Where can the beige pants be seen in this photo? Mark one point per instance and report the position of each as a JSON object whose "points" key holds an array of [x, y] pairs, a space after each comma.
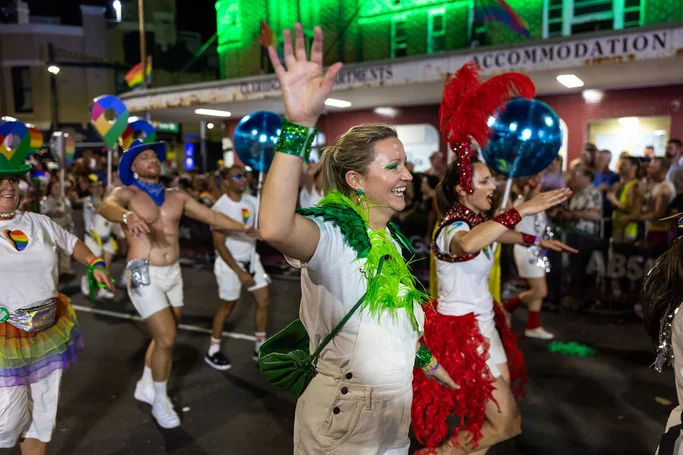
{"points": [[333, 416]]}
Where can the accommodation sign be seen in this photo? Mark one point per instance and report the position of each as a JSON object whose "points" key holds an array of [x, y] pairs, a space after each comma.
{"points": [[595, 51]]}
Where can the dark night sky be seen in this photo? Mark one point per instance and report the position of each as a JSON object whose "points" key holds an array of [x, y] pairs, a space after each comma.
{"points": [[192, 15]]}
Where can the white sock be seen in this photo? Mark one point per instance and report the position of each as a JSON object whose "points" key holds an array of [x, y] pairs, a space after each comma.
{"points": [[260, 339], [215, 346], [146, 376], [159, 390]]}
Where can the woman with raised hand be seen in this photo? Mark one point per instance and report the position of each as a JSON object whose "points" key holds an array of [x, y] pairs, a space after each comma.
{"points": [[359, 401]]}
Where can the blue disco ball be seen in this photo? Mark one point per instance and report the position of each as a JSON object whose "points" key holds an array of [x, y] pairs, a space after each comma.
{"points": [[255, 138], [526, 138]]}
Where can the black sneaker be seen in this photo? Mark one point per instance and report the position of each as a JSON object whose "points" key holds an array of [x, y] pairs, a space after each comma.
{"points": [[218, 361]]}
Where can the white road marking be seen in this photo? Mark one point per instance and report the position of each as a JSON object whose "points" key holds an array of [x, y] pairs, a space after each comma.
{"points": [[189, 328]]}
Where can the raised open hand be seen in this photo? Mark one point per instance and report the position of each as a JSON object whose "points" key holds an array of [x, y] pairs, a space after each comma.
{"points": [[304, 87], [543, 201]]}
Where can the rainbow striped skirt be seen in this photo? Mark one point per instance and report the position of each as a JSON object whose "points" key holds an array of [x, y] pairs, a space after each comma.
{"points": [[27, 357]]}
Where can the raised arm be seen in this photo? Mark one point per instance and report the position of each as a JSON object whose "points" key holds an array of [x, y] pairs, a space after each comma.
{"points": [[114, 208], [305, 89], [484, 234]]}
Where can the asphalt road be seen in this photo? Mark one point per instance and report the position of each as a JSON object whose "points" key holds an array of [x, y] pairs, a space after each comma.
{"points": [[575, 405]]}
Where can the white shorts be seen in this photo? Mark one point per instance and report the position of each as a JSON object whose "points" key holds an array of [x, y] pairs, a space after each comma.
{"points": [[165, 288], [496, 348], [229, 285], [525, 259], [29, 411], [97, 250]]}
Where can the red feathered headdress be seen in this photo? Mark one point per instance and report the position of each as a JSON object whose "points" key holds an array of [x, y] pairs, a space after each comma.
{"points": [[466, 107]]}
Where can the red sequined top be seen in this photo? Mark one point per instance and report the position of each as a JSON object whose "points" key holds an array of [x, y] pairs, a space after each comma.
{"points": [[456, 213]]}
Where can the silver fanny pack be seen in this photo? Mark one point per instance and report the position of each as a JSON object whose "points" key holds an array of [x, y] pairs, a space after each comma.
{"points": [[39, 317], [139, 273]]}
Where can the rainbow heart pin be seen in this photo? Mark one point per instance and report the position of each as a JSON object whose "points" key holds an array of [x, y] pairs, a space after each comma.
{"points": [[246, 215], [17, 238]]}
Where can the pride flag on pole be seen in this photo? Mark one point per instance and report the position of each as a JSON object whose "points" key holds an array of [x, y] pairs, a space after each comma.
{"points": [[134, 77], [499, 11], [267, 36]]}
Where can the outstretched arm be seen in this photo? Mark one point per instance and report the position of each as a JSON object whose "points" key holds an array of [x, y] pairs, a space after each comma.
{"points": [[305, 89], [198, 211], [484, 234]]}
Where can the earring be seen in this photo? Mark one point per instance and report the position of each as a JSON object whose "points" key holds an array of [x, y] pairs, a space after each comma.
{"points": [[359, 192], [135, 175]]}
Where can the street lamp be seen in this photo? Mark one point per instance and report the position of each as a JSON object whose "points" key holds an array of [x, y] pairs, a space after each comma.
{"points": [[54, 69]]}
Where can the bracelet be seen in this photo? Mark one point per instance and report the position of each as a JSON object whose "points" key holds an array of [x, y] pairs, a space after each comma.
{"points": [[435, 367], [530, 240], [509, 219], [125, 217], [295, 139], [423, 357], [96, 264]]}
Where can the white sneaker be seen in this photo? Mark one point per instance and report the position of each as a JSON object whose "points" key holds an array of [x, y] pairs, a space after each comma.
{"points": [[165, 415], [539, 332], [144, 393], [85, 286], [105, 294]]}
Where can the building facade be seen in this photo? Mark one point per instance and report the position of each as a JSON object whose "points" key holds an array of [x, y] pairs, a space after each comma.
{"points": [[367, 30]]}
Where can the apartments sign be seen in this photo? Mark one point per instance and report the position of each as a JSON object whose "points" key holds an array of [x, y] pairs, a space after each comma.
{"points": [[615, 49], [547, 55]]}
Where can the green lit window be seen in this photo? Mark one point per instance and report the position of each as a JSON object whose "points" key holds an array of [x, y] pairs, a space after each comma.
{"points": [[399, 39], [571, 17], [436, 31]]}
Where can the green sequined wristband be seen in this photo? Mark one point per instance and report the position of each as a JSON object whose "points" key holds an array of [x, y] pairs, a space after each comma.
{"points": [[423, 357], [295, 139]]}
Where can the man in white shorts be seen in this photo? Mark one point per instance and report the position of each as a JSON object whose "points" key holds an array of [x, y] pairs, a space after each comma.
{"points": [[233, 267], [150, 214]]}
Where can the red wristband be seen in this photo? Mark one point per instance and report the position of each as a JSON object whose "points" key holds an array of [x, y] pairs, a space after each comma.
{"points": [[528, 239], [509, 219]]}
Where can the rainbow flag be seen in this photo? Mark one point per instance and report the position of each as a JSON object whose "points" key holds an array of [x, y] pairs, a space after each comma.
{"points": [[267, 36], [134, 77], [499, 11]]}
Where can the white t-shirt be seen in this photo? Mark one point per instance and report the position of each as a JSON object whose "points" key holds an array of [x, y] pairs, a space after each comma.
{"points": [[464, 286], [309, 198], [377, 351], [94, 221], [240, 245], [29, 270]]}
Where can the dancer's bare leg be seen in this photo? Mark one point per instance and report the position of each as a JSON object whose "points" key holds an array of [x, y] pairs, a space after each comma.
{"points": [[32, 446], [162, 325], [503, 420], [261, 315]]}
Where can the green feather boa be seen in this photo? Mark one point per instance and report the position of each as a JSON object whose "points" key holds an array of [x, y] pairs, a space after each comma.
{"points": [[395, 287]]}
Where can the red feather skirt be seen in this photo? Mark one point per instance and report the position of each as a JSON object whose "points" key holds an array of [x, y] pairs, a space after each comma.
{"points": [[463, 351]]}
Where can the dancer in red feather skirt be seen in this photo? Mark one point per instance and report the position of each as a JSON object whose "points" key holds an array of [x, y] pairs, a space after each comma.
{"points": [[465, 330]]}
